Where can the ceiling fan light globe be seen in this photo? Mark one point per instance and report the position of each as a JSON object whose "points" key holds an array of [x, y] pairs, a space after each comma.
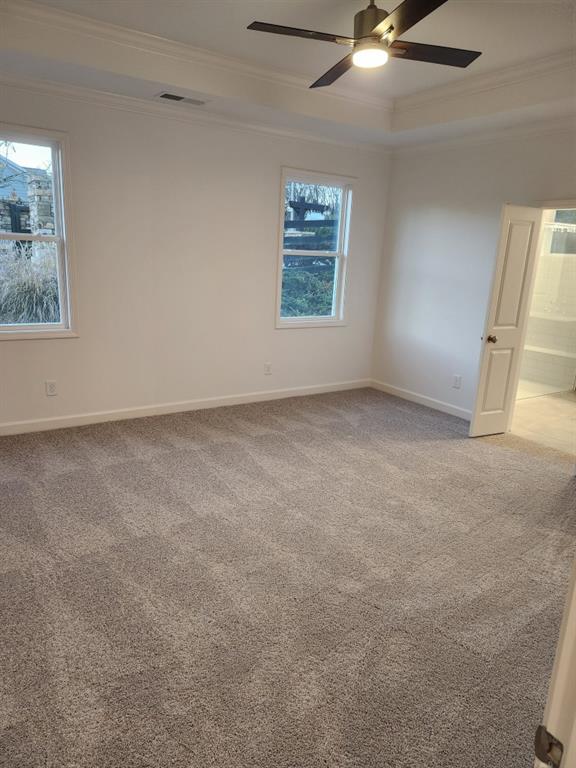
{"points": [[370, 56]]}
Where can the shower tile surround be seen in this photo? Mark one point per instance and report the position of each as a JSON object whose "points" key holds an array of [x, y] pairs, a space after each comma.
{"points": [[550, 348]]}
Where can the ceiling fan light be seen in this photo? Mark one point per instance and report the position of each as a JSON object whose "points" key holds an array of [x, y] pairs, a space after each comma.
{"points": [[370, 56]]}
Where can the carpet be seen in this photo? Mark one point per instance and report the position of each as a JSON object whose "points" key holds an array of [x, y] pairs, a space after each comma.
{"points": [[342, 580]]}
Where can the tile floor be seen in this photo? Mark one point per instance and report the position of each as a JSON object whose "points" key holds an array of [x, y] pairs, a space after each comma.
{"points": [[527, 388], [548, 420]]}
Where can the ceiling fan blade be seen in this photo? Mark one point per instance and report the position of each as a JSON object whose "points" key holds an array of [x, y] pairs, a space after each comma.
{"points": [[333, 74], [278, 29], [434, 54], [405, 16]]}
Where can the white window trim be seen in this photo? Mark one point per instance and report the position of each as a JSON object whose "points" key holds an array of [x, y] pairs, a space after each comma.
{"points": [[59, 143], [341, 255]]}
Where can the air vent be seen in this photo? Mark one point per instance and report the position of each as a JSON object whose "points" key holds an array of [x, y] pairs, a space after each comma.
{"points": [[182, 99]]}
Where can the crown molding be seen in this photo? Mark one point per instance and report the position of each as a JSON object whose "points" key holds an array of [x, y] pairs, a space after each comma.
{"points": [[172, 112], [71, 22], [557, 125], [563, 125], [489, 81]]}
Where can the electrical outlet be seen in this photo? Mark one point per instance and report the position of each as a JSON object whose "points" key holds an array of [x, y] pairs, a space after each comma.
{"points": [[457, 381], [50, 388], [267, 369]]}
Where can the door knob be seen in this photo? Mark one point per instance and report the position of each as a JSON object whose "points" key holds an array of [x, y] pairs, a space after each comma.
{"points": [[491, 339]]}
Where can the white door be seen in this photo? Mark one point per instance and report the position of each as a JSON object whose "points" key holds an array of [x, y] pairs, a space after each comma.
{"points": [[505, 327], [560, 713]]}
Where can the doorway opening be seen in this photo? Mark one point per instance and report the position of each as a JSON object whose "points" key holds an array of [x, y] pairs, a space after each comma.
{"points": [[527, 365], [545, 406]]}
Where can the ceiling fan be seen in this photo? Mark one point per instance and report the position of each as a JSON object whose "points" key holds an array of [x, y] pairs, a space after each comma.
{"points": [[376, 34]]}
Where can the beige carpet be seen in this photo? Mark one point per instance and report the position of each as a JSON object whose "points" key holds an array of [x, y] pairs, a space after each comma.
{"points": [[343, 580]]}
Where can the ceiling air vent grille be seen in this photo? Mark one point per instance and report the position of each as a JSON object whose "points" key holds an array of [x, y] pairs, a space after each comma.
{"points": [[182, 99]]}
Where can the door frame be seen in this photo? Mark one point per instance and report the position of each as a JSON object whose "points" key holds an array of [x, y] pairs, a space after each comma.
{"points": [[560, 712], [526, 299], [544, 206]]}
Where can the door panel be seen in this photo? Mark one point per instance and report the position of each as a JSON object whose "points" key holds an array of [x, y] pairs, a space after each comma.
{"points": [[517, 250], [497, 381], [505, 327]]}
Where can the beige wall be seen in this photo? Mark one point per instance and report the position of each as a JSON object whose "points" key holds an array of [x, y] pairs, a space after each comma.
{"points": [[176, 227], [443, 227], [177, 307]]}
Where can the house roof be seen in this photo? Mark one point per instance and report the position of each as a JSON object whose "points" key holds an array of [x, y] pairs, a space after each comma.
{"points": [[14, 179]]}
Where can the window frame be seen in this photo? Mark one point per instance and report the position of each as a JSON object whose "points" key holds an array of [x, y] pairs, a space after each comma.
{"points": [[58, 143], [340, 254]]}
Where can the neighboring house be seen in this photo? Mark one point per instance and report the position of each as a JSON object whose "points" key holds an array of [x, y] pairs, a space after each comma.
{"points": [[25, 199]]}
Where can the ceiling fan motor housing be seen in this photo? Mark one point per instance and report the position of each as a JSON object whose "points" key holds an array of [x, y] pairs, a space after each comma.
{"points": [[366, 20]]}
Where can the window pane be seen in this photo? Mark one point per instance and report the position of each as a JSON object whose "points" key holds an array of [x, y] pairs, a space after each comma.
{"points": [[565, 241], [28, 283], [26, 188], [308, 286], [311, 216]]}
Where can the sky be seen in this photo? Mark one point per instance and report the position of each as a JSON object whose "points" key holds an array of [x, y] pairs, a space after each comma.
{"points": [[29, 155]]}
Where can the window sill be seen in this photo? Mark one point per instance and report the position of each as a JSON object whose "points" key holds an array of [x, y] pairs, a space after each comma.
{"points": [[35, 335], [304, 323]]}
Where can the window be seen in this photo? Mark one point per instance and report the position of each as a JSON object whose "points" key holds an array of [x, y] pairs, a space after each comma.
{"points": [[313, 249], [34, 280], [564, 232]]}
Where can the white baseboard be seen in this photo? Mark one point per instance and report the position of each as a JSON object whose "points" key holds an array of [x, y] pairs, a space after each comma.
{"points": [[415, 397], [78, 420], [82, 419]]}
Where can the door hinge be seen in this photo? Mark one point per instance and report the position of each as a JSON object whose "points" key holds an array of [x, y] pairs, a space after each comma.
{"points": [[547, 748]]}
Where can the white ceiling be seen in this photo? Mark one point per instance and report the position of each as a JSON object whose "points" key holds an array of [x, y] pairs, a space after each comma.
{"points": [[201, 48], [506, 31]]}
